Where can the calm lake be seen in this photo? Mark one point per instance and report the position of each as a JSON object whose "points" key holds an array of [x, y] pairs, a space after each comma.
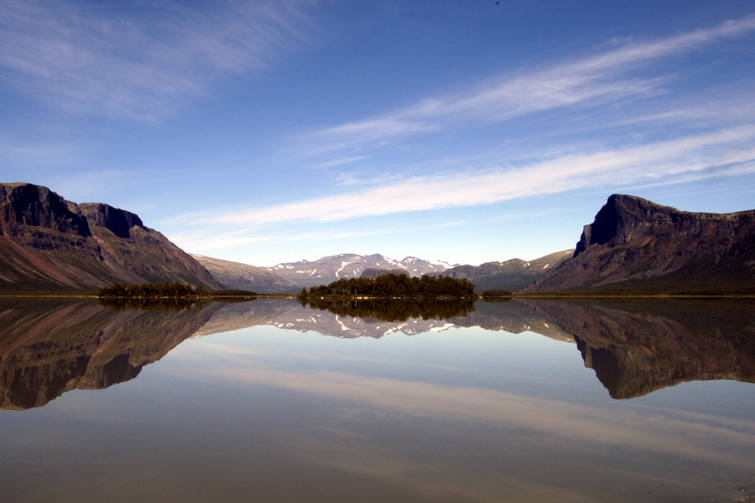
{"points": [[272, 401]]}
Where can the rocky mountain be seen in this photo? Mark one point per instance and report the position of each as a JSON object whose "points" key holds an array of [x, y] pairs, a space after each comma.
{"points": [[328, 269], [636, 348], [636, 246], [510, 275], [246, 277], [48, 244]]}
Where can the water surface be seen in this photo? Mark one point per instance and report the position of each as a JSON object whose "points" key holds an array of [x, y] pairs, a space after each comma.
{"points": [[272, 401]]}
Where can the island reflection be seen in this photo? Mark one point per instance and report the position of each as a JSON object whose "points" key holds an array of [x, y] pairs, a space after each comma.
{"points": [[48, 348]]}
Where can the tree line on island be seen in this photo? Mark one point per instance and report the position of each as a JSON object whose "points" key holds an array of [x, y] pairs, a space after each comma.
{"points": [[393, 286], [393, 310], [429, 291]]}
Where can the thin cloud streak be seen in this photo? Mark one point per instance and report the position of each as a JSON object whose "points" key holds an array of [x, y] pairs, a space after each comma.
{"points": [[591, 81], [137, 66], [198, 242], [654, 163]]}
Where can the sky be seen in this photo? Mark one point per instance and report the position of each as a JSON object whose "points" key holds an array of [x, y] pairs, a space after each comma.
{"points": [[465, 131]]}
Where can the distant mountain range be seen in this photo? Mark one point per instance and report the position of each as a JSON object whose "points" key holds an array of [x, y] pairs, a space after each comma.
{"points": [[246, 277], [510, 275], [48, 244], [636, 246], [349, 265]]}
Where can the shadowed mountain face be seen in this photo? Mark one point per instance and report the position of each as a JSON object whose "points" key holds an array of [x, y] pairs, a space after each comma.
{"points": [[636, 246], [48, 348], [48, 244], [637, 348]]}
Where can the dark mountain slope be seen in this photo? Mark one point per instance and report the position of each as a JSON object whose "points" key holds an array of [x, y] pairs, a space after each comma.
{"points": [[636, 246], [48, 244]]}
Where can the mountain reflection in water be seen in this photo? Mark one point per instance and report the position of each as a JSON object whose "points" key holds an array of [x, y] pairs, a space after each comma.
{"points": [[637, 347], [50, 347]]}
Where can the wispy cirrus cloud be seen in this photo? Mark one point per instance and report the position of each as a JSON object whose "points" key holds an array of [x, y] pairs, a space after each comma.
{"points": [[692, 156], [139, 60], [686, 159], [591, 81]]}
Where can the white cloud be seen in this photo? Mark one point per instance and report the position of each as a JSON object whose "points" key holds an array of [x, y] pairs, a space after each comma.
{"points": [[590, 82], [724, 152], [137, 61]]}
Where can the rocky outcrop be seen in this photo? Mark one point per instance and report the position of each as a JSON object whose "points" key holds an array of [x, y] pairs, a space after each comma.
{"points": [[117, 221], [509, 275], [48, 244], [23, 205], [637, 347], [636, 246]]}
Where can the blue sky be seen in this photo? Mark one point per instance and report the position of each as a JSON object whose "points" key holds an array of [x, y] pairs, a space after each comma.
{"points": [[464, 131]]}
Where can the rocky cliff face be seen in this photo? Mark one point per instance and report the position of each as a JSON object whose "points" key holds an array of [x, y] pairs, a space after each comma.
{"points": [[117, 221], [48, 244], [636, 348], [636, 246], [23, 205]]}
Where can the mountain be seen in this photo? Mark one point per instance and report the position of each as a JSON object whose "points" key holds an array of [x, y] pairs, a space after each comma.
{"points": [[636, 348], [328, 269], [637, 246], [510, 275], [48, 244], [246, 277], [373, 272]]}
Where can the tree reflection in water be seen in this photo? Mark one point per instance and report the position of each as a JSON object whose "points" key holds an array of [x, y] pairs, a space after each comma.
{"points": [[391, 311]]}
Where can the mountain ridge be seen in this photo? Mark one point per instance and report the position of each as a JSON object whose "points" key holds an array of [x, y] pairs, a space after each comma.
{"points": [[49, 244], [511, 274], [322, 271], [637, 246], [242, 276]]}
